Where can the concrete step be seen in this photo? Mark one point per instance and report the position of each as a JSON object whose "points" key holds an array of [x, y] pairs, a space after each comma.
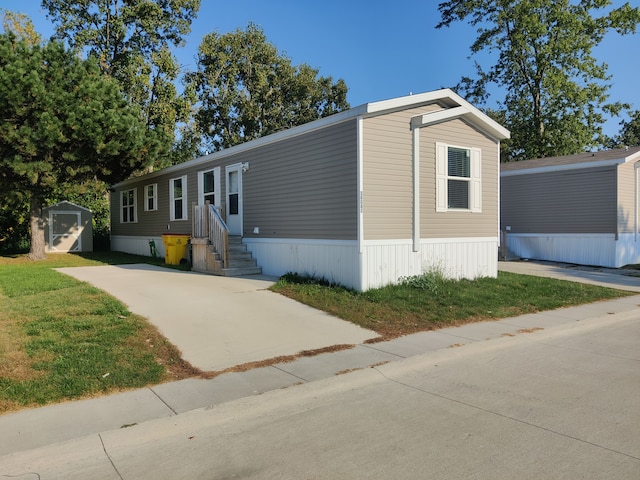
{"points": [[240, 272]]}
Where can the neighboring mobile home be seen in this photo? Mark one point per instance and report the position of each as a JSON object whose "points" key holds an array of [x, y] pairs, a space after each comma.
{"points": [[580, 209], [361, 198]]}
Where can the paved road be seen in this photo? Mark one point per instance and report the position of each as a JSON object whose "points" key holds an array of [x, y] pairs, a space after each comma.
{"points": [[547, 404]]}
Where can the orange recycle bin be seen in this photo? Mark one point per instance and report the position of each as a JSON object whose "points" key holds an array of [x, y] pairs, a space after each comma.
{"points": [[175, 248]]}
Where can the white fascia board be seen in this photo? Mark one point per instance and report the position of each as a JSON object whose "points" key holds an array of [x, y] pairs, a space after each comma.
{"points": [[403, 102], [464, 108], [632, 157], [438, 116], [477, 119], [560, 168]]}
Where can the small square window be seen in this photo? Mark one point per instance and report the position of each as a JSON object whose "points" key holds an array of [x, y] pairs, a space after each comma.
{"points": [[458, 178]]}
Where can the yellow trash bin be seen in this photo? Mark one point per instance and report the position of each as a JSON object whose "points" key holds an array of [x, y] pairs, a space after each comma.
{"points": [[175, 248]]}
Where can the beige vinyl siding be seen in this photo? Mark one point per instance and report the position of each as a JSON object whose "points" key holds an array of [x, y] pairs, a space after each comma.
{"points": [[571, 201], [304, 187], [300, 187], [388, 174], [626, 198], [458, 224]]}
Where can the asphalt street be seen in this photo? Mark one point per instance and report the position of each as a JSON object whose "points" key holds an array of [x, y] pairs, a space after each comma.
{"points": [[552, 403]]}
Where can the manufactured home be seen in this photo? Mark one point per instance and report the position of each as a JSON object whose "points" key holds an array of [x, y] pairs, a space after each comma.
{"points": [[361, 198], [580, 209]]}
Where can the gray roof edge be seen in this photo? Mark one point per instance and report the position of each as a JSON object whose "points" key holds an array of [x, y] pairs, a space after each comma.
{"points": [[577, 164], [560, 168]]}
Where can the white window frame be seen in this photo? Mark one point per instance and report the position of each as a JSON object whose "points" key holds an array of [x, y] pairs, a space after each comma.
{"points": [[172, 200], [442, 177], [154, 198], [132, 208], [216, 186]]}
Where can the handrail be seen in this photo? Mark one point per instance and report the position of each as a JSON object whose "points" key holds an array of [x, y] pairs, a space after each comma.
{"points": [[208, 223], [219, 234]]}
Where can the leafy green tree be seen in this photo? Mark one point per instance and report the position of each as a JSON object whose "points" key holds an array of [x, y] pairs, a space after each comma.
{"points": [[14, 219], [629, 135], [247, 89], [556, 92], [62, 122], [132, 41]]}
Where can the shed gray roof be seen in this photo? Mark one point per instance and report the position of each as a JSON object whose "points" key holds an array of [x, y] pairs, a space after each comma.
{"points": [[570, 162], [68, 204]]}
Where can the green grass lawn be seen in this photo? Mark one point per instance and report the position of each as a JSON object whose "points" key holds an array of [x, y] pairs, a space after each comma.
{"points": [[63, 339], [429, 302]]}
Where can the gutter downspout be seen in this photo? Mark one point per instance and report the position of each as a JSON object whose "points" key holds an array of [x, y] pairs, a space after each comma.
{"points": [[499, 232], [635, 192], [416, 186], [359, 202]]}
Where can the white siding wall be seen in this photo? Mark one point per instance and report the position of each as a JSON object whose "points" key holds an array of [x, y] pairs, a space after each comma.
{"points": [[334, 260], [136, 245], [581, 249], [384, 262], [627, 249]]}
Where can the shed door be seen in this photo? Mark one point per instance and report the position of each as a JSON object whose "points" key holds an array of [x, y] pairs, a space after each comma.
{"points": [[64, 232], [234, 199]]}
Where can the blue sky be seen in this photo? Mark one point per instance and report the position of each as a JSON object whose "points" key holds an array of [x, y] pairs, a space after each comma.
{"points": [[381, 49]]}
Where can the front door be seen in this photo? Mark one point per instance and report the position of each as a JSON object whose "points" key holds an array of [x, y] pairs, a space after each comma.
{"points": [[64, 231], [234, 199]]}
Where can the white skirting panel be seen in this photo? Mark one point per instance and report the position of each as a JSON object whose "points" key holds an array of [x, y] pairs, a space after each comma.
{"points": [[334, 260], [136, 245], [385, 262], [381, 262], [627, 249], [581, 249]]}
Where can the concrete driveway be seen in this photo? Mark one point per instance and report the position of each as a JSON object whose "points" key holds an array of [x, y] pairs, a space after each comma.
{"points": [[220, 322]]}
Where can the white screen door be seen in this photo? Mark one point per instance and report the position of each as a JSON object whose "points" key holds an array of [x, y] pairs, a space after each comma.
{"points": [[234, 199]]}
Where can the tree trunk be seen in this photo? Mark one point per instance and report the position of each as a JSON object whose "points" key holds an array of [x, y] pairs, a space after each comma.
{"points": [[36, 229]]}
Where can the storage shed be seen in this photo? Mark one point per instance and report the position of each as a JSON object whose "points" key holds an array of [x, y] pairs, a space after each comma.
{"points": [[580, 209], [67, 228]]}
